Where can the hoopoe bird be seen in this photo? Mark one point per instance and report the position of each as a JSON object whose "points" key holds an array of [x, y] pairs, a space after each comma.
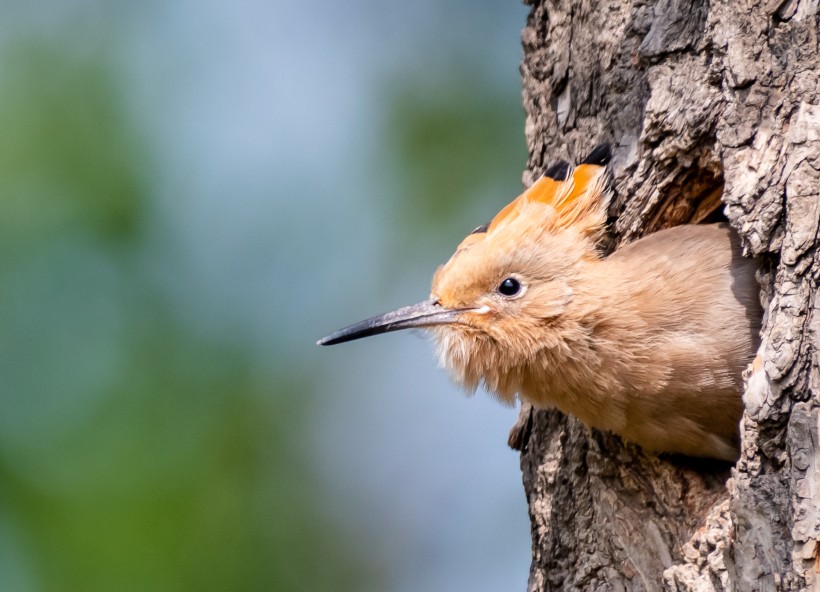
{"points": [[649, 342]]}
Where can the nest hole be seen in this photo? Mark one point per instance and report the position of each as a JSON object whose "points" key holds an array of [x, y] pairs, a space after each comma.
{"points": [[693, 196]]}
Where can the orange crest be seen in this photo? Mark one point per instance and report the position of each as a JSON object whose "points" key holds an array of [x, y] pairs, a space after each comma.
{"points": [[578, 196]]}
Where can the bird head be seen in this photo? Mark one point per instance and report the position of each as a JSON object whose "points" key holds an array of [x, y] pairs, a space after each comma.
{"points": [[491, 305]]}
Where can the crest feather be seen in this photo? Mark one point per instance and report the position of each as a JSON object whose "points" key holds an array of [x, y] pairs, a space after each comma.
{"points": [[579, 201], [578, 195]]}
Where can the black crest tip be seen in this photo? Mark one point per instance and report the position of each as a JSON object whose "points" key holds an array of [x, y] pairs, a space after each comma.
{"points": [[558, 171], [480, 229], [600, 155]]}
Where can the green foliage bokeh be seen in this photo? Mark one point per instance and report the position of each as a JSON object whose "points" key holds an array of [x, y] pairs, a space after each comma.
{"points": [[134, 453]]}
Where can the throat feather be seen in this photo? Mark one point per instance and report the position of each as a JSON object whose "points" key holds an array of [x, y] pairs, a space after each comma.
{"points": [[473, 359]]}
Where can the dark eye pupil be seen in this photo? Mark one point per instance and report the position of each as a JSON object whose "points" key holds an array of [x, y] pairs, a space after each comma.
{"points": [[509, 287]]}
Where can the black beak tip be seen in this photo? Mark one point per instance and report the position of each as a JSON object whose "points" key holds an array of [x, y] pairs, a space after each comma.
{"points": [[338, 337]]}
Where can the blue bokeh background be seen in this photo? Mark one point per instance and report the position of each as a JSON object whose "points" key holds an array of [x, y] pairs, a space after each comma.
{"points": [[191, 193]]}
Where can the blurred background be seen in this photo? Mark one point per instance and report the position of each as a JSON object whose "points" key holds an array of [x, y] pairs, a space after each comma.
{"points": [[192, 193]]}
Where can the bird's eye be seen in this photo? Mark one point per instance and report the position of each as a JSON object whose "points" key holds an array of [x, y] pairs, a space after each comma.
{"points": [[509, 287]]}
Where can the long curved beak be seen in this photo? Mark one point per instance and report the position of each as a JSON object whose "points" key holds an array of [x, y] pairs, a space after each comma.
{"points": [[423, 314]]}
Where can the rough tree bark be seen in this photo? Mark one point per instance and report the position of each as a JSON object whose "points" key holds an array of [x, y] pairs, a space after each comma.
{"points": [[702, 101]]}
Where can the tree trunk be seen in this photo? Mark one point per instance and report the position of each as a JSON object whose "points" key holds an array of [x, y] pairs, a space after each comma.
{"points": [[701, 101]]}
